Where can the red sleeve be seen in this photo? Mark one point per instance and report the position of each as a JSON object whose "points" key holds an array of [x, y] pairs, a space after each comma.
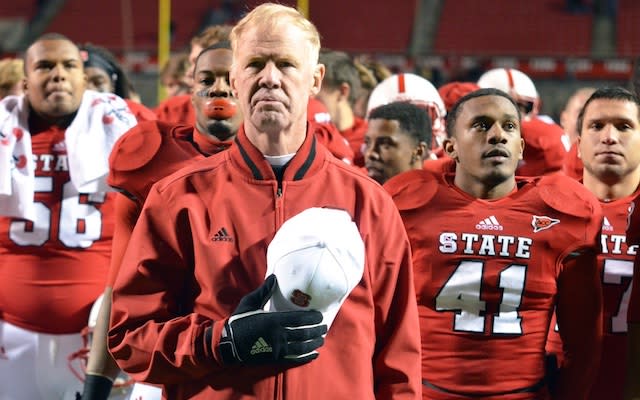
{"points": [[396, 362], [149, 288], [125, 217], [579, 315]]}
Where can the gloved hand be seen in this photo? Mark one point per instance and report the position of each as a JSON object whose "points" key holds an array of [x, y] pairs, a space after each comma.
{"points": [[254, 336]]}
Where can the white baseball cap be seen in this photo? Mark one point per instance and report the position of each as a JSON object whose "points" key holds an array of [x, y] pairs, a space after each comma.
{"points": [[318, 258]]}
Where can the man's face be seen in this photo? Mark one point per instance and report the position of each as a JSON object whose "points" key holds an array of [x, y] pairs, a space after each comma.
{"points": [[273, 77], [486, 141], [216, 108], [55, 79], [98, 80], [389, 150], [330, 97], [610, 139]]}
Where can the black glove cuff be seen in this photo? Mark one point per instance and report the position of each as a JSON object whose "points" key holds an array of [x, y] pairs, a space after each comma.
{"points": [[96, 387], [226, 349]]}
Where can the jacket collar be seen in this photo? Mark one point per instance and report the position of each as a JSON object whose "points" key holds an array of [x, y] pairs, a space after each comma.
{"points": [[307, 160]]}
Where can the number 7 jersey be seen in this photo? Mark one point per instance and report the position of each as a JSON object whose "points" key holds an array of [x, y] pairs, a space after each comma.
{"points": [[486, 275]]}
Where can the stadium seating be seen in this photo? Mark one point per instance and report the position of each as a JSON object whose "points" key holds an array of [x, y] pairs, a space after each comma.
{"points": [[513, 27], [628, 28]]}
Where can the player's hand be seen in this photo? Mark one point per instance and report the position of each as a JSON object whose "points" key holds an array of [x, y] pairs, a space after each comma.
{"points": [[254, 336]]}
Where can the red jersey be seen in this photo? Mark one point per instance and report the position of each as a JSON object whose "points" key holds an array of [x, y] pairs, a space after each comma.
{"points": [[177, 110], [572, 165], [615, 262], [157, 333], [355, 137], [544, 151], [144, 155], [330, 137], [53, 269], [488, 275], [633, 239]]}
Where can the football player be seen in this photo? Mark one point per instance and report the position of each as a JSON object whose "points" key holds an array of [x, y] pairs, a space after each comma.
{"points": [[609, 136], [56, 225], [148, 153], [493, 255]]}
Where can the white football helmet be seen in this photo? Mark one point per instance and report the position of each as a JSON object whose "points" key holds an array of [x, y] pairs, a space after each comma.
{"points": [[415, 90], [516, 83]]}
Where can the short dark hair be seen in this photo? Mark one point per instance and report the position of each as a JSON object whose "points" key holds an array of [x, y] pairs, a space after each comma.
{"points": [[340, 68], [412, 119], [223, 44], [46, 36], [607, 93], [99, 57], [452, 116]]}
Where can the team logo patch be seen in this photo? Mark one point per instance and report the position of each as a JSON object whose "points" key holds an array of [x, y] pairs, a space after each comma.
{"points": [[300, 298], [541, 223]]}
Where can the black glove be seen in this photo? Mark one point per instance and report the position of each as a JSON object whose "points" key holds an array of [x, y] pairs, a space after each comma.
{"points": [[254, 336], [96, 387]]}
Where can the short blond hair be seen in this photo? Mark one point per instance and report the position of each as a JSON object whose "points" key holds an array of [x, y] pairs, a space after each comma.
{"points": [[11, 72], [270, 16]]}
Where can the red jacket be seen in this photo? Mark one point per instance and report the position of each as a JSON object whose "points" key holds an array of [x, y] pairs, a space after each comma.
{"points": [[175, 281]]}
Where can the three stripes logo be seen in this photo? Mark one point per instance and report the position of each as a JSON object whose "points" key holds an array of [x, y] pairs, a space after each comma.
{"points": [[260, 346], [222, 236], [489, 224]]}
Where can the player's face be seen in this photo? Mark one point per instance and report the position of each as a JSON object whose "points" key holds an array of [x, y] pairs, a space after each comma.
{"points": [[610, 139], [389, 150], [55, 79], [274, 75], [216, 109], [98, 80], [486, 142]]}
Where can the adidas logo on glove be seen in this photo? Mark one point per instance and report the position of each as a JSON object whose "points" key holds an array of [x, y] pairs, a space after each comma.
{"points": [[260, 346]]}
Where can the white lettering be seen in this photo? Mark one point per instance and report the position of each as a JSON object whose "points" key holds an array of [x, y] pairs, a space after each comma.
{"points": [[448, 243], [61, 163]]}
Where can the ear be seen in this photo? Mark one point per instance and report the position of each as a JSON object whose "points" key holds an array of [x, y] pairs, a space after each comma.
{"points": [[421, 151], [345, 90], [318, 75], [521, 155], [449, 147], [578, 140], [24, 84], [232, 80]]}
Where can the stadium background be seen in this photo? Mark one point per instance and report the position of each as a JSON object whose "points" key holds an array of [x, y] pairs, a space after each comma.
{"points": [[560, 44]]}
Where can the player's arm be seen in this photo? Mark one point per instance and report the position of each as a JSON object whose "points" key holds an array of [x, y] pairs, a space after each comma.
{"points": [[101, 367], [579, 316]]}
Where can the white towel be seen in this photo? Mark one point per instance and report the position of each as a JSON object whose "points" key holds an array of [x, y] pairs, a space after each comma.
{"points": [[101, 119]]}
